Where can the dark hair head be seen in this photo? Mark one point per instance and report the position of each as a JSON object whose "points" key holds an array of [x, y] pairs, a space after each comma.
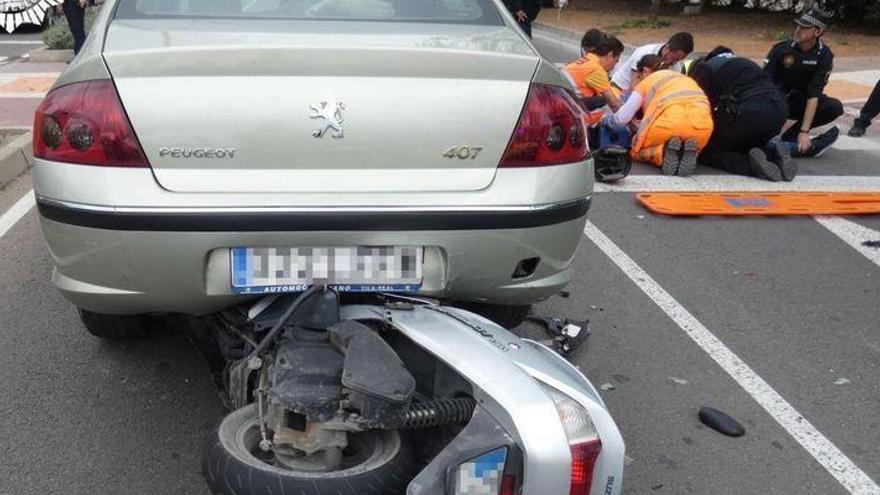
{"points": [[681, 42], [609, 45], [592, 38], [651, 61], [718, 50]]}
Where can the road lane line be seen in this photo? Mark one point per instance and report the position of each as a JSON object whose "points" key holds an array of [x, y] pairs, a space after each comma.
{"points": [[826, 453], [18, 210], [734, 183], [853, 234]]}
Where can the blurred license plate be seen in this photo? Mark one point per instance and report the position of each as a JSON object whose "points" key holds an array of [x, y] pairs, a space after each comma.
{"points": [[347, 269]]}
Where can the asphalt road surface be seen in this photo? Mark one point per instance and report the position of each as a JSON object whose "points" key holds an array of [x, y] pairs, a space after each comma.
{"points": [[774, 321]]}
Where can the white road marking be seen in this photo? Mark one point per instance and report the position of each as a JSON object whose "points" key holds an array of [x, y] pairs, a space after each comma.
{"points": [[826, 453], [853, 234], [22, 42], [735, 183], [18, 210], [845, 142], [864, 77], [23, 94]]}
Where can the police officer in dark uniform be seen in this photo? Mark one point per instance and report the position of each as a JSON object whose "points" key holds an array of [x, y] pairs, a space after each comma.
{"points": [[525, 12], [801, 68], [748, 111]]}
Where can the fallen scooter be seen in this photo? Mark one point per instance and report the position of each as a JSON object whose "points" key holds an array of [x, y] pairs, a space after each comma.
{"points": [[398, 396]]}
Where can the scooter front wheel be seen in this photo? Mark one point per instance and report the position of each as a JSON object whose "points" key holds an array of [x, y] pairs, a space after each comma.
{"points": [[375, 462]]}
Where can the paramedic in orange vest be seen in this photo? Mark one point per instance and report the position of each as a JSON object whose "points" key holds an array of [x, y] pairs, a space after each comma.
{"points": [[590, 73], [676, 122]]}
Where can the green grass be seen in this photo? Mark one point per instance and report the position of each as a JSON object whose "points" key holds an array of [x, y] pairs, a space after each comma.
{"points": [[58, 37], [660, 22]]}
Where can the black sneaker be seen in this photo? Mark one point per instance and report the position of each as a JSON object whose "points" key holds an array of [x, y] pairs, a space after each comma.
{"points": [[763, 167], [779, 152], [858, 129], [822, 142]]}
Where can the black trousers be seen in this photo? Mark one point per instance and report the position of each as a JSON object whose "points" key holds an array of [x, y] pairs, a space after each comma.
{"points": [[527, 27], [761, 118], [871, 108], [827, 112], [76, 19]]}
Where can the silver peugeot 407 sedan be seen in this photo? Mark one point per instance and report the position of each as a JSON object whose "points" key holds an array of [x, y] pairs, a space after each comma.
{"points": [[199, 152]]}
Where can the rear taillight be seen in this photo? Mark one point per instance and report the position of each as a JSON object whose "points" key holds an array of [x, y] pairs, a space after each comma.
{"points": [[550, 130], [582, 439], [85, 123]]}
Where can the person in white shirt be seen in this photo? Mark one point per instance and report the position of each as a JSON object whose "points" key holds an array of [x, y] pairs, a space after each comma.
{"points": [[679, 46]]}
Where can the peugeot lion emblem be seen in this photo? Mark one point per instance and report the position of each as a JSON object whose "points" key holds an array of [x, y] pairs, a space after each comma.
{"points": [[330, 113]]}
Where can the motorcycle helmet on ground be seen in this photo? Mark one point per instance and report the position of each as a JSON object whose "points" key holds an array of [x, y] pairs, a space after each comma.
{"points": [[611, 163]]}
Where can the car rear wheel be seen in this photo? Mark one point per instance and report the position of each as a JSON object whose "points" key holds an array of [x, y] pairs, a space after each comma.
{"points": [[377, 462], [115, 327], [506, 316]]}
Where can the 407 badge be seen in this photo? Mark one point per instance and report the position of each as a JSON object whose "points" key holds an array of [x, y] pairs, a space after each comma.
{"points": [[14, 13]]}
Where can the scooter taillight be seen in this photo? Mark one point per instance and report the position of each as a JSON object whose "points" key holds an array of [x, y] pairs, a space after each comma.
{"points": [[583, 460], [85, 123], [583, 440]]}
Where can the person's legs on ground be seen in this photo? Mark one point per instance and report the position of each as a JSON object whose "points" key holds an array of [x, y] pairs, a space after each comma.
{"points": [[868, 113], [828, 111]]}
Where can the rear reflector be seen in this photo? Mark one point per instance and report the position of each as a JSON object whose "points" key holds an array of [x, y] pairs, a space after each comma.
{"points": [[550, 130], [84, 123]]}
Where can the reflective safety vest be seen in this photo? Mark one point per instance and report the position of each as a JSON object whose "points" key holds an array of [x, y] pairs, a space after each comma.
{"points": [[581, 69], [673, 106]]}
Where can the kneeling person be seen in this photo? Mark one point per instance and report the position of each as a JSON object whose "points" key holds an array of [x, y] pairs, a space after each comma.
{"points": [[590, 73], [677, 119], [748, 112]]}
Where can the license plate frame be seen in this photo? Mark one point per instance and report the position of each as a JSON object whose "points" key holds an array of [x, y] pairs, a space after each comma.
{"points": [[272, 270]]}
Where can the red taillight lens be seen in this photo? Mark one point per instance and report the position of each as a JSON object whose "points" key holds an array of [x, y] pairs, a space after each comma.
{"points": [[508, 485], [583, 460], [85, 123], [550, 130]]}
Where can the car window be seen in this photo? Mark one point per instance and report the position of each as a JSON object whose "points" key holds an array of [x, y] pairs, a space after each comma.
{"points": [[452, 11]]}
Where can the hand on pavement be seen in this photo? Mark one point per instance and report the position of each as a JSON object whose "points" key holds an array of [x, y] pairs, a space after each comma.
{"points": [[804, 143], [521, 16]]}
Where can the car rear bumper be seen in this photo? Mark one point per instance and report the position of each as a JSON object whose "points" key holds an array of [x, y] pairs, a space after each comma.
{"points": [[304, 219], [123, 244], [144, 271]]}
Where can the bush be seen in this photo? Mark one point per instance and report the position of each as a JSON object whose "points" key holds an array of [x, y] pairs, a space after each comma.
{"points": [[58, 37]]}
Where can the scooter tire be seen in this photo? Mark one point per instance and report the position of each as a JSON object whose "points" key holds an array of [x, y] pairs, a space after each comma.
{"points": [[230, 468]]}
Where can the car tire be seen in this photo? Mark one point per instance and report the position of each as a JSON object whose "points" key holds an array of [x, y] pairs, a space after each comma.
{"points": [[506, 316], [230, 465], [115, 327]]}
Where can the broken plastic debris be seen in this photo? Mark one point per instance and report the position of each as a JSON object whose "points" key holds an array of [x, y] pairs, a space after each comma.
{"points": [[721, 422], [627, 460], [605, 387], [678, 381], [841, 381]]}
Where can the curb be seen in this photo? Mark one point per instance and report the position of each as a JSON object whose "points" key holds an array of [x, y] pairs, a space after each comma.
{"points": [[15, 158], [569, 34], [44, 54]]}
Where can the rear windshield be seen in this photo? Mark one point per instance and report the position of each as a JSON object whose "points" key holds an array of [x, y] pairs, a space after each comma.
{"points": [[449, 11]]}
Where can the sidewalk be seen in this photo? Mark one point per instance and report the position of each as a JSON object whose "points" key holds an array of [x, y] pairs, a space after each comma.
{"points": [[22, 86]]}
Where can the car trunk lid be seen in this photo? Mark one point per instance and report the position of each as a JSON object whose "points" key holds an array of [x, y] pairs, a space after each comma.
{"points": [[293, 106]]}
